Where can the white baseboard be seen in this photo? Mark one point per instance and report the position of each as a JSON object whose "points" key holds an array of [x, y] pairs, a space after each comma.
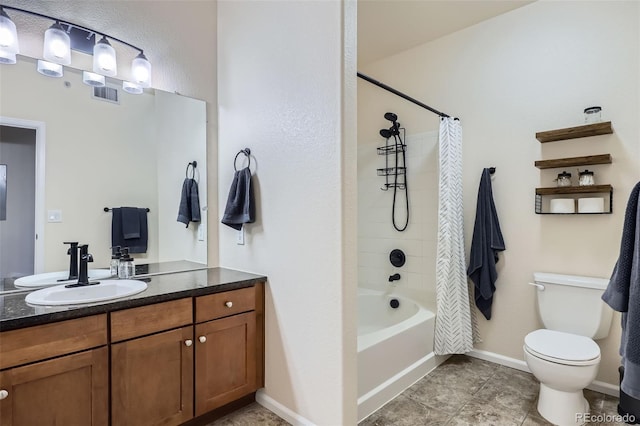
{"points": [[283, 412], [518, 364]]}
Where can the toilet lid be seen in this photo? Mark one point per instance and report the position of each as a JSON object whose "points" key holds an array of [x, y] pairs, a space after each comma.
{"points": [[563, 348]]}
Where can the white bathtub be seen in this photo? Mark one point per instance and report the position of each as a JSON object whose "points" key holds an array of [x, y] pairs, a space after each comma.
{"points": [[395, 348]]}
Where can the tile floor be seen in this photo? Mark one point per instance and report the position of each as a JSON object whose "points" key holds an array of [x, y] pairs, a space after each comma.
{"points": [[462, 391]]}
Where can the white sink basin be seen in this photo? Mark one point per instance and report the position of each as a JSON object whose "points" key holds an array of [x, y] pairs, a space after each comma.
{"points": [[51, 278], [105, 290]]}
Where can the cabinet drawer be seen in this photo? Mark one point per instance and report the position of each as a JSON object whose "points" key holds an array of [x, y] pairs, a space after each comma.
{"points": [[144, 320], [40, 342], [224, 304]]}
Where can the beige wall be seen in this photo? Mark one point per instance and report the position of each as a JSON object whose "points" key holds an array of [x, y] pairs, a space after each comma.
{"points": [[529, 70], [282, 93]]}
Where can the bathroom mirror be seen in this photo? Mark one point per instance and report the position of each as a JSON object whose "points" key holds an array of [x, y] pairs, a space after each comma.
{"points": [[95, 150]]}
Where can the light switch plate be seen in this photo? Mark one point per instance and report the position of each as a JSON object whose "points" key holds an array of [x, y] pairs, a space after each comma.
{"points": [[54, 216], [240, 237], [201, 232]]}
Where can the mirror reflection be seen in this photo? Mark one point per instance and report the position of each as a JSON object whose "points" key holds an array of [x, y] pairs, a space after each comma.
{"points": [[70, 151]]}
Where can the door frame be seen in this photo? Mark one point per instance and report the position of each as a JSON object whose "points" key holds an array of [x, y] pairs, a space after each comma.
{"points": [[40, 128]]}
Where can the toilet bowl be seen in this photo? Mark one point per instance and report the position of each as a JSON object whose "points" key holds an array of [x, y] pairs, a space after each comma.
{"points": [[563, 356], [564, 364]]}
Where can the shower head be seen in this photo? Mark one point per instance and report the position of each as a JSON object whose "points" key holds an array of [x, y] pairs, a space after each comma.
{"points": [[391, 117], [386, 133]]}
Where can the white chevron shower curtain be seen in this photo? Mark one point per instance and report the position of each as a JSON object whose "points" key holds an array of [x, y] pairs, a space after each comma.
{"points": [[454, 329]]}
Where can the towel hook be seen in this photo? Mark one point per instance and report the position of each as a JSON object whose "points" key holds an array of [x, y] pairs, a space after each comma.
{"points": [[247, 153], [192, 164]]}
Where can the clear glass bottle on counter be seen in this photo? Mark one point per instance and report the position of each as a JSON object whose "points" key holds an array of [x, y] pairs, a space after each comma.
{"points": [[115, 261], [126, 269]]}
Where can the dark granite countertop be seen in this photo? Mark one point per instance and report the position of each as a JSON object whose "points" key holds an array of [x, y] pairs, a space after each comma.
{"points": [[16, 313]]}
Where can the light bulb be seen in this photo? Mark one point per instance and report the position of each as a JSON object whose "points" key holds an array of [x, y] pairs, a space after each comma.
{"points": [[141, 70], [134, 89], [50, 69], [104, 58], [58, 48], [57, 45], [6, 37]]}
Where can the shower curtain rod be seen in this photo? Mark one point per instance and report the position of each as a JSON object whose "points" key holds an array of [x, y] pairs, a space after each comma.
{"points": [[402, 95]]}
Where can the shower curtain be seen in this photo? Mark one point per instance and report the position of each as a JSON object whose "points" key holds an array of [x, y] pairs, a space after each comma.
{"points": [[454, 324]]}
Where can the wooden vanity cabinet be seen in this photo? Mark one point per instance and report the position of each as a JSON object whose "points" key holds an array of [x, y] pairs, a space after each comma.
{"points": [[58, 373], [228, 347], [152, 372], [41, 383]]}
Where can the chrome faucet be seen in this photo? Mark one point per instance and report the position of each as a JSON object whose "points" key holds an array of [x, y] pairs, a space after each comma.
{"points": [[394, 277]]}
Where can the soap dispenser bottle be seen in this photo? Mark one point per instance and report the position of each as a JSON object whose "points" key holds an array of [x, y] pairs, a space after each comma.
{"points": [[126, 269], [115, 261]]}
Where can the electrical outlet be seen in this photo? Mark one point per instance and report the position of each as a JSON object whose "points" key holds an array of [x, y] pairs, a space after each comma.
{"points": [[240, 237]]}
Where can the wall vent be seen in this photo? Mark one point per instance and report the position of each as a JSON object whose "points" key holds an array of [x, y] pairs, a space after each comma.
{"points": [[106, 93]]}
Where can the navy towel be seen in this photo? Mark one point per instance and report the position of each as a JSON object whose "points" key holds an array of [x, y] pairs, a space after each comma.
{"points": [[623, 294], [126, 223], [487, 242], [189, 210], [240, 206]]}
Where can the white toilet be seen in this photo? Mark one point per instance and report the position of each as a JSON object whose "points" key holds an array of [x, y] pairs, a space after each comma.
{"points": [[563, 355]]}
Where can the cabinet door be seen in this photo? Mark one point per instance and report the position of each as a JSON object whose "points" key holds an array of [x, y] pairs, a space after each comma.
{"points": [[152, 379], [225, 361], [71, 390]]}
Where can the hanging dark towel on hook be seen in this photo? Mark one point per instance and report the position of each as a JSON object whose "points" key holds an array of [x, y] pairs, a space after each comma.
{"points": [[487, 242], [623, 294], [240, 206], [189, 210]]}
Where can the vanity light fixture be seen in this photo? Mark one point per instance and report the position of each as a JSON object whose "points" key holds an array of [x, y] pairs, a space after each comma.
{"points": [[8, 39], [141, 70], [104, 58], [57, 45], [93, 79], [50, 69], [63, 36], [134, 89]]}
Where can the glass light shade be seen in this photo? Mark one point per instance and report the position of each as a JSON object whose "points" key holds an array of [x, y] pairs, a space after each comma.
{"points": [[93, 79], [57, 45], [104, 58], [134, 89], [50, 69], [141, 70], [8, 39]]}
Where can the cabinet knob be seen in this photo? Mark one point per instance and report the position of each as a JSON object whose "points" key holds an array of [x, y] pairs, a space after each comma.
{"points": [[3, 394], [188, 342], [228, 304], [202, 339]]}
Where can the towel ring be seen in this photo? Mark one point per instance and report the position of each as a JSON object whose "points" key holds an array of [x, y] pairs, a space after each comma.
{"points": [[247, 153], [193, 166]]}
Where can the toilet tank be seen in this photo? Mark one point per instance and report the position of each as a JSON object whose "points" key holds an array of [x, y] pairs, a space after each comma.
{"points": [[573, 304]]}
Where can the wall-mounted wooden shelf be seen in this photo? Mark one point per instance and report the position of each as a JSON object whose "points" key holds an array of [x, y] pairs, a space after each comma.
{"points": [[584, 131], [574, 161], [587, 189]]}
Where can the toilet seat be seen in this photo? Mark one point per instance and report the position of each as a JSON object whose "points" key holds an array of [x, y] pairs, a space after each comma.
{"points": [[562, 348]]}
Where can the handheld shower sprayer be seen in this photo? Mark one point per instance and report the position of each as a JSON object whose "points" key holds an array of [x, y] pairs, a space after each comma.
{"points": [[391, 117]]}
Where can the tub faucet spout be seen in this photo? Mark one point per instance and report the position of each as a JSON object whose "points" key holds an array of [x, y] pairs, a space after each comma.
{"points": [[394, 277]]}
